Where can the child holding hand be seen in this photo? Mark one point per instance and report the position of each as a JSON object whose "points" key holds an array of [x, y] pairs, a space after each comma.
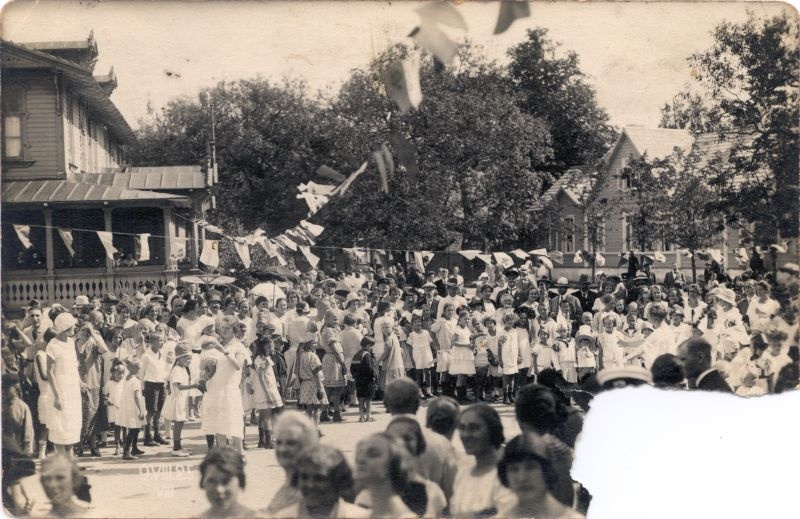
{"points": [[176, 405]]}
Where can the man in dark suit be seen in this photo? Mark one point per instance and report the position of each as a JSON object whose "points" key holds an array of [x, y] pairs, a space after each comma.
{"points": [[586, 296], [674, 277], [561, 286], [695, 355]]}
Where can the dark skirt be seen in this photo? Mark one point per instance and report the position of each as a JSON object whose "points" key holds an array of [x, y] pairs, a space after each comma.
{"points": [[365, 389]]}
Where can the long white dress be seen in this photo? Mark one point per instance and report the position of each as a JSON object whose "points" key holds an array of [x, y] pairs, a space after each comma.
{"points": [[64, 425], [45, 403], [192, 331], [223, 410]]}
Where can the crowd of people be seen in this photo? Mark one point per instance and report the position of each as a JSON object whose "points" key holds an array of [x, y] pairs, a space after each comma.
{"points": [[110, 369]]}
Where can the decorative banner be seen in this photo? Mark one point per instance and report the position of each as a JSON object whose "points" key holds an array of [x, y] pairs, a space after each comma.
{"points": [[401, 81], [406, 154], [300, 237], [538, 252], [659, 257], [521, 254], [141, 246], [24, 235], [444, 13], [780, 248], [270, 248], [419, 262], [623, 259], [427, 256], [687, 253], [544, 260], [578, 258], [342, 189], [503, 260], [314, 229], [210, 254], [243, 250], [509, 12], [434, 40], [178, 247], [469, 254], [361, 254], [67, 238], [556, 256], [715, 254], [328, 172], [284, 241], [210, 228], [314, 202], [378, 157], [486, 258], [599, 260], [107, 239], [310, 257]]}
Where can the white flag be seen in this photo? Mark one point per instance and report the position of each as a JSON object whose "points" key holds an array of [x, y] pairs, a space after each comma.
{"points": [[141, 244], [599, 260], [286, 242], [24, 235], [659, 257], [503, 260], [67, 238], [470, 254], [486, 258], [521, 254], [243, 249], [310, 257], [314, 229], [419, 262], [578, 258], [178, 247], [210, 254], [107, 239]]}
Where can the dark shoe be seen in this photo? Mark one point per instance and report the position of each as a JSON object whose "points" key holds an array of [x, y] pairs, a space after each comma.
{"points": [[324, 418], [138, 452], [129, 457], [150, 443], [338, 418], [161, 441], [95, 454]]}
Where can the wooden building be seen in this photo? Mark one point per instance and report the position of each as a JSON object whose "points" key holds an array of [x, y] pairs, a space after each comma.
{"points": [[64, 167]]}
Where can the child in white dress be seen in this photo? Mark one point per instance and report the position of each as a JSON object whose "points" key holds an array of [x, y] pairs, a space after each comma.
{"points": [[567, 356], [265, 395], [131, 413], [508, 357], [176, 405], [112, 392], [420, 341]]}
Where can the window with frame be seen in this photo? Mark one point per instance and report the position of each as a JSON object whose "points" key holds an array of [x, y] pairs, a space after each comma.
{"points": [[568, 235], [13, 120]]}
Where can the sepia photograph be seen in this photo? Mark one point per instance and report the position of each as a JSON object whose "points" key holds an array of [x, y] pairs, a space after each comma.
{"points": [[335, 258]]}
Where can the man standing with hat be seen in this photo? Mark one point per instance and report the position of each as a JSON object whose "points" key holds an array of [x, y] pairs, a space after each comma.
{"points": [[452, 297], [431, 297], [585, 295], [575, 307], [109, 308]]}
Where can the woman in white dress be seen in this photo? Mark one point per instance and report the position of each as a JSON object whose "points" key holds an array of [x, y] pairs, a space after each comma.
{"points": [[222, 414], [65, 419]]}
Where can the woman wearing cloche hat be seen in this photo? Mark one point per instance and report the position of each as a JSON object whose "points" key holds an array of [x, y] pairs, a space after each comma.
{"points": [[62, 373]]}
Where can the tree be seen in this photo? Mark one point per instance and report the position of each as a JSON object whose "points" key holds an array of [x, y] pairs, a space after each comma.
{"points": [[746, 90], [649, 215], [554, 89]]}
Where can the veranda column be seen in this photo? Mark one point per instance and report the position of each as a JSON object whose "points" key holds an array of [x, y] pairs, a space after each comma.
{"points": [[169, 232], [195, 245], [48, 247]]}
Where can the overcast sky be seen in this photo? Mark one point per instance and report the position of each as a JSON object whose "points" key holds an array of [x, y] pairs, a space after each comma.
{"points": [[634, 53]]}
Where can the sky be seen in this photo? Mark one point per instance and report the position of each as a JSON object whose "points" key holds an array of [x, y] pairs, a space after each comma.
{"points": [[633, 53]]}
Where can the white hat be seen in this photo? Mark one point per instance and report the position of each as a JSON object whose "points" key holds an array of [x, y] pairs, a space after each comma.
{"points": [[81, 300], [607, 374], [64, 321], [726, 294], [562, 281], [352, 296]]}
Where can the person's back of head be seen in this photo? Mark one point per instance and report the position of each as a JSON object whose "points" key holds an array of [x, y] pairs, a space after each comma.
{"points": [[442, 416], [402, 396], [539, 409], [667, 371]]}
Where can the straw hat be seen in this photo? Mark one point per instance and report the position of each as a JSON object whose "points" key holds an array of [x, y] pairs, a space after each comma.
{"points": [[64, 322]]}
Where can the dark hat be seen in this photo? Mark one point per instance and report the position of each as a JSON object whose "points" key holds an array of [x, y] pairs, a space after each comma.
{"points": [[512, 273], [110, 298], [475, 302], [10, 379], [157, 298], [367, 268], [430, 273], [383, 281], [584, 278], [302, 308], [546, 282], [342, 293], [452, 282], [34, 303], [527, 311]]}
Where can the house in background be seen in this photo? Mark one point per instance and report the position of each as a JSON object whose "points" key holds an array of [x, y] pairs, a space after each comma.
{"points": [[63, 167], [563, 201]]}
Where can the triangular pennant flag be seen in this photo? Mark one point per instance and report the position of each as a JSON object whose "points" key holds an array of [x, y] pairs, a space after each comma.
{"points": [[715, 255], [313, 228], [24, 235], [406, 155], [741, 256], [344, 186], [142, 247], [67, 238], [401, 81], [208, 227], [486, 258], [659, 257], [469, 254], [361, 254], [427, 256], [623, 259], [556, 256], [780, 248], [378, 157], [310, 257], [538, 252], [243, 250], [328, 172], [444, 13], [544, 260], [210, 254], [268, 247], [419, 262], [503, 259], [107, 239], [387, 158], [299, 237], [316, 189], [578, 258], [314, 202], [431, 38], [599, 260], [178, 248], [521, 254], [509, 12], [255, 236], [284, 240], [281, 260], [305, 234]]}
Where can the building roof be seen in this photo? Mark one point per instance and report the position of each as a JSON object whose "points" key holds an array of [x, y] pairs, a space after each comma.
{"points": [[64, 191], [573, 183], [657, 143], [158, 178], [82, 78]]}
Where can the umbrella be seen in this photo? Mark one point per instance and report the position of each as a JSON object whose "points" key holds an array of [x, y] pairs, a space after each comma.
{"points": [[205, 278], [269, 290], [276, 272]]}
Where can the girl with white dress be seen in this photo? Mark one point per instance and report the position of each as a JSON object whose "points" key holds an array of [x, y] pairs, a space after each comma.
{"points": [[420, 341], [131, 413], [462, 358], [567, 354], [265, 395], [508, 357], [611, 353], [65, 420], [176, 405]]}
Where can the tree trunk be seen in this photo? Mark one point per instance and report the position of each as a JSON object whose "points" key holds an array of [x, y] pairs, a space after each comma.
{"points": [[694, 267], [594, 258]]}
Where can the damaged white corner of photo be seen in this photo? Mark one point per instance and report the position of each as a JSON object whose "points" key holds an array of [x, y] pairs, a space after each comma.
{"points": [[652, 453]]}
